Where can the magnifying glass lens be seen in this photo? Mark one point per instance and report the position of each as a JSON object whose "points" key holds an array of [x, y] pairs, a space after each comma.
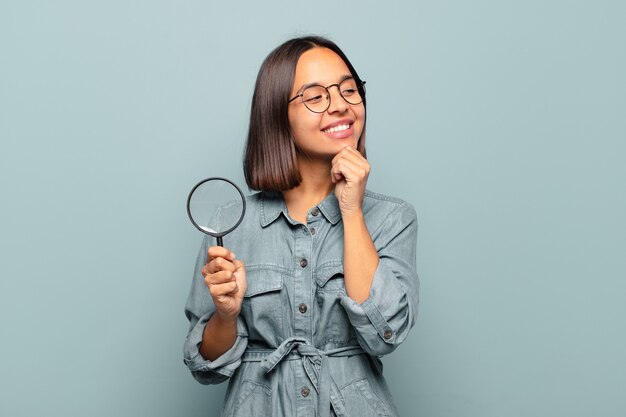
{"points": [[216, 206], [210, 196]]}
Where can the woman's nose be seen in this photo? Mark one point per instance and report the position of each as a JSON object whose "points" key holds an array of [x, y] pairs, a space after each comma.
{"points": [[337, 102]]}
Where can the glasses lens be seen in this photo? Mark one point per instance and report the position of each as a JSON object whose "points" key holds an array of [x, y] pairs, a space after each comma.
{"points": [[315, 98], [350, 91]]}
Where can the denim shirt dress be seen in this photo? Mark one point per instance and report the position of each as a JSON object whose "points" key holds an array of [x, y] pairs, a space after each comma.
{"points": [[303, 347]]}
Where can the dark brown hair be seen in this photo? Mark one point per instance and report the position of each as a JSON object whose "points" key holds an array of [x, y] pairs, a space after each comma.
{"points": [[270, 162]]}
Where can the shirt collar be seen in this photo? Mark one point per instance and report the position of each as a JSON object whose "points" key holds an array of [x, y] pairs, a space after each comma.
{"points": [[273, 205], [330, 208]]}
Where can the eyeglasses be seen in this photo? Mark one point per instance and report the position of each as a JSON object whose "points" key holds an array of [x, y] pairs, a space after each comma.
{"points": [[317, 97]]}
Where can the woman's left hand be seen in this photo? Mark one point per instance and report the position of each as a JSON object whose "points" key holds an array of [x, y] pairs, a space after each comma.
{"points": [[349, 172]]}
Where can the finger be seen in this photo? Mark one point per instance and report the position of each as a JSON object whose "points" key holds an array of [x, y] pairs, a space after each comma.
{"points": [[219, 264], [219, 278], [223, 289], [349, 150], [338, 156], [221, 252], [239, 266], [350, 172], [349, 165], [344, 167], [335, 173], [355, 152], [353, 156], [350, 158]]}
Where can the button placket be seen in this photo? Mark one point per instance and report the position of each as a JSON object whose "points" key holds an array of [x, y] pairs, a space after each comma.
{"points": [[313, 221], [301, 388], [302, 275]]}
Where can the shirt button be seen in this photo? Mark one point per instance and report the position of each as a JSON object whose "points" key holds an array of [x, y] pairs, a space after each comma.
{"points": [[315, 212], [388, 334], [313, 230], [302, 308], [305, 392], [303, 263]]}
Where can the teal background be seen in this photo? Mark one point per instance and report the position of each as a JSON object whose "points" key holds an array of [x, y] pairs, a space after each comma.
{"points": [[502, 122]]}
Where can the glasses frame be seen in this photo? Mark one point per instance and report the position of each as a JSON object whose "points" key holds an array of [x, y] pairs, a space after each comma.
{"points": [[360, 87]]}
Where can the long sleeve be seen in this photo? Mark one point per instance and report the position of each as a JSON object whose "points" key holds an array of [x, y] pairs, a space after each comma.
{"points": [[384, 319], [199, 309]]}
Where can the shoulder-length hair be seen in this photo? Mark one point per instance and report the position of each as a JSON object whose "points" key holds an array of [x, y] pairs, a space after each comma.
{"points": [[270, 162]]}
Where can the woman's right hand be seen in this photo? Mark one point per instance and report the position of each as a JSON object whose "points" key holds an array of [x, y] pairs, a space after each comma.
{"points": [[225, 277]]}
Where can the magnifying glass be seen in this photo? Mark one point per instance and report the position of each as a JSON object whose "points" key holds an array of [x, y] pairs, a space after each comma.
{"points": [[213, 194]]}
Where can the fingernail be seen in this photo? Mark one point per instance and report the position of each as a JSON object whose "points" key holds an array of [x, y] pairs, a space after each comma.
{"points": [[232, 255]]}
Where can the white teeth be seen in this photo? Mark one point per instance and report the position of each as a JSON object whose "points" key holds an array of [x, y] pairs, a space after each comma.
{"points": [[337, 128]]}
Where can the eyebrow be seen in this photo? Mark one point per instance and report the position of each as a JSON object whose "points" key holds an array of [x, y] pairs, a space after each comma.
{"points": [[341, 79]]}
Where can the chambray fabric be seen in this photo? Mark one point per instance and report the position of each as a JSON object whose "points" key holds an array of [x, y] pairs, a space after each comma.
{"points": [[304, 348]]}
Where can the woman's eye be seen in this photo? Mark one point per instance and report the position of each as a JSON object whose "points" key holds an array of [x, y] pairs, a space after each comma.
{"points": [[348, 92], [313, 99]]}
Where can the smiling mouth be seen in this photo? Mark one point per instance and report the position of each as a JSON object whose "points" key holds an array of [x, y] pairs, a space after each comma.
{"points": [[338, 128]]}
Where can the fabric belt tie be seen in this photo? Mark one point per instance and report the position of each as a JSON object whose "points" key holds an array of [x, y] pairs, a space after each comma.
{"points": [[314, 362]]}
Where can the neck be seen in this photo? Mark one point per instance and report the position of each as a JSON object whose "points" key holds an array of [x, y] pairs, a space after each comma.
{"points": [[316, 184]]}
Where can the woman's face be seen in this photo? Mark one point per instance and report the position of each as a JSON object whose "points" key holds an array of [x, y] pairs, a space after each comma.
{"points": [[323, 135]]}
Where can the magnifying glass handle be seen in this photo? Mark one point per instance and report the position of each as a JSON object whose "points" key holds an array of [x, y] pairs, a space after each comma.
{"points": [[220, 242]]}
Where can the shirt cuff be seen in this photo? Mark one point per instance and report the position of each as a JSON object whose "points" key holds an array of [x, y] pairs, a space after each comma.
{"points": [[224, 366], [369, 317]]}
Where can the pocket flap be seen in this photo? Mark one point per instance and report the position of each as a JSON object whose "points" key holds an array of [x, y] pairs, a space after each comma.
{"points": [[324, 273], [263, 280]]}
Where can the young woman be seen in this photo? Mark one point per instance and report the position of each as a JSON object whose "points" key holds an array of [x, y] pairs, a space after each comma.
{"points": [[319, 280]]}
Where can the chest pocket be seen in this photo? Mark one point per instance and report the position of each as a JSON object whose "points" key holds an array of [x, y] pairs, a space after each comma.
{"points": [[333, 327], [329, 278], [262, 307]]}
